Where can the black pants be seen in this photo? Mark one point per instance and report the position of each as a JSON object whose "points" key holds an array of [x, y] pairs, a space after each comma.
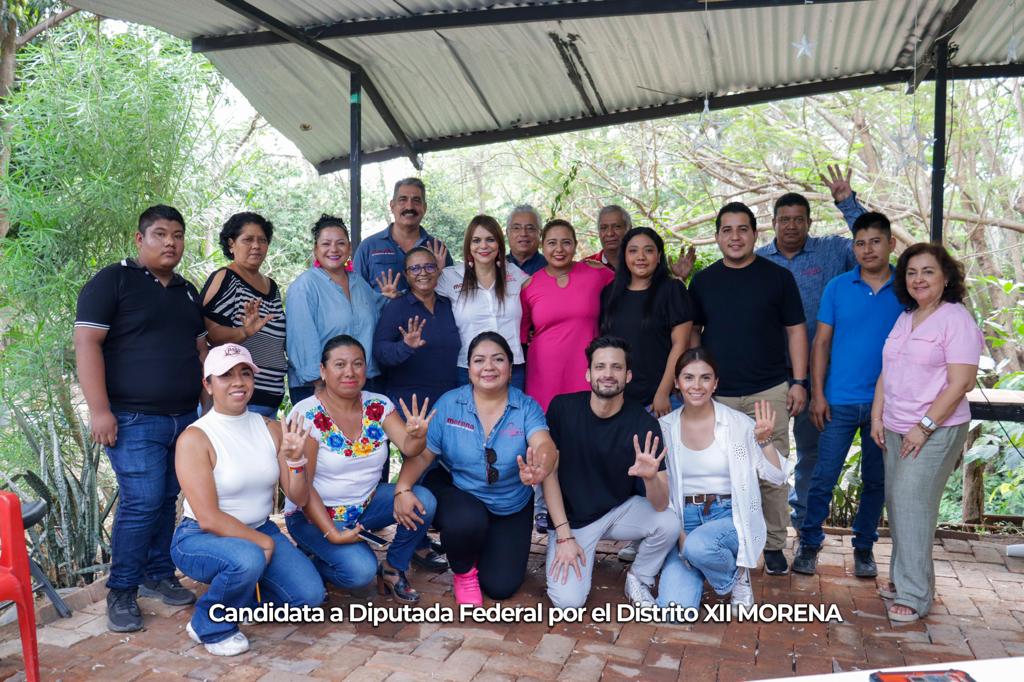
{"points": [[499, 546]]}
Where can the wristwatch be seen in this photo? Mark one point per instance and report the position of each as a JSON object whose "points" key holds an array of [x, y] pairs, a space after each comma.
{"points": [[928, 424], [799, 382]]}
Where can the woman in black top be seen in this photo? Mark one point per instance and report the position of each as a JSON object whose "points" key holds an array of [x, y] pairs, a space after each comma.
{"points": [[241, 305], [648, 308]]}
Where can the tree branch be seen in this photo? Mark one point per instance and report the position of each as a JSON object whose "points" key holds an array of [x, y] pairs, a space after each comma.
{"points": [[45, 25]]}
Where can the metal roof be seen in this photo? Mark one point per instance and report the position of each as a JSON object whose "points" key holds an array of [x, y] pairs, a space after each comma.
{"points": [[452, 73]]}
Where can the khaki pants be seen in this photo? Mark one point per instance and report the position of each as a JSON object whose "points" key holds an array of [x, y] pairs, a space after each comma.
{"points": [[774, 498]]}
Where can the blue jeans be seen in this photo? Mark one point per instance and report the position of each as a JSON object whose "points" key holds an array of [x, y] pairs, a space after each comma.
{"points": [[709, 552], [143, 462], [834, 447], [270, 412], [233, 566], [518, 376], [806, 435], [355, 564]]}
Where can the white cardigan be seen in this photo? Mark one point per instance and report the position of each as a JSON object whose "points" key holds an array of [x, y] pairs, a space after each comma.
{"points": [[746, 464]]}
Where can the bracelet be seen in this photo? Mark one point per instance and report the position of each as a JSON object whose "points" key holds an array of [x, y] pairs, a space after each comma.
{"points": [[297, 470], [559, 541], [399, 492], [764, 443], [563, 523], [296, 463]]}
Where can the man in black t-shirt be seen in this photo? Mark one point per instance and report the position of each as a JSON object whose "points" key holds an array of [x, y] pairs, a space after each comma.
{"points": [[610, 481], [748, 312], [140, 342]]}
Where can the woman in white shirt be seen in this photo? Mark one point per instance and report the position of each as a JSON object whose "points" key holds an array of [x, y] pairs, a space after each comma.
{"points": [[715, 456], [484, 291], [347, 448], [230, 462]]}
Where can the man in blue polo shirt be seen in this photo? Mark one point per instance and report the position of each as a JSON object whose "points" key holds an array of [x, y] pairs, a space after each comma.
{"points": [[140, 342], [814, 261], [858, 309], [522, 231], [384, 253]]}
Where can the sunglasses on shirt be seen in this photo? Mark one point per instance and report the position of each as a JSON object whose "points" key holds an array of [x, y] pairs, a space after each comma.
{"points": [[492, 472]]}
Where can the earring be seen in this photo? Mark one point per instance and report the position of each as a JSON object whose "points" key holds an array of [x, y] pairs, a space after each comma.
{"points": [[469, 264]]}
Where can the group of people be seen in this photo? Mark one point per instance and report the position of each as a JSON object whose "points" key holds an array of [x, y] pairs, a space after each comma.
{"points": [[590, 399]]}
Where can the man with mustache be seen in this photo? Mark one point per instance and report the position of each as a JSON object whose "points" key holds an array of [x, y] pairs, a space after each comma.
{"points": [[814, 262], [383, 254], [523, 234], [140, 343], [613, 222]]}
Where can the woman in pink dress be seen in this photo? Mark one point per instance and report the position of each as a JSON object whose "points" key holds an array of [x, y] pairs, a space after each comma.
{"points": [[561, 305]]}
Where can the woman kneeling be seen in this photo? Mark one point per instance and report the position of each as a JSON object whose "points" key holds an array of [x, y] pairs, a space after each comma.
{"points": [[715, 456], [229, 463], [347, 448]]}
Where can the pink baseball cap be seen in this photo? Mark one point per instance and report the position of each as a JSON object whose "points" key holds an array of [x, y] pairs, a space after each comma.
{"points": [[221, 359]]}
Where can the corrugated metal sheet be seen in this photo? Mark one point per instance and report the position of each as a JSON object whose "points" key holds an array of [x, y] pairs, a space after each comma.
{"points": [[456, 82]]}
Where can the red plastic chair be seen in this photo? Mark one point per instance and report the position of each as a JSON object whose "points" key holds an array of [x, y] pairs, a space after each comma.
{"points": [[15, 581]]}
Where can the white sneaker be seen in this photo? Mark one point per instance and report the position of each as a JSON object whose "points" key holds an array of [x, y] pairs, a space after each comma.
{"points": [[628, 553], [742, 592], [637, 592], [232, 646]]}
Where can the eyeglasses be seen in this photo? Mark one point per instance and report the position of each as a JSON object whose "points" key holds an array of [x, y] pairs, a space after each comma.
{"points": [[531, 229], [429, 268], [492, 473]]}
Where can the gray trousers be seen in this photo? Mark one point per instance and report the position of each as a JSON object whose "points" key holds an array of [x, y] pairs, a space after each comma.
{"points": [[634, 519], [913, 490]]}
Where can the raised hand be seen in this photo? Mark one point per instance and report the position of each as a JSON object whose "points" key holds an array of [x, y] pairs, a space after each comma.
{"points": [[252, 323], [837, 183], [440, 252], [647, 460], [683, 265], [412, 333], [416, 420], [293, 437], [531, 469], [388, 284], [764, 420]]}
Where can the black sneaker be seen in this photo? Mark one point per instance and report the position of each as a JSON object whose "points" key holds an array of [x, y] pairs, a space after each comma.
{"points": [[775, 562], [864, 563], [806, 560], [169, 590], [123, 613]]}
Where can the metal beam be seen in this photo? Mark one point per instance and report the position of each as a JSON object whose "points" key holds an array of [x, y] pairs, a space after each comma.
{"points": [[437, 21], [288, 34], [939, 148], [355, 155], [950, 24], [676, 109]]}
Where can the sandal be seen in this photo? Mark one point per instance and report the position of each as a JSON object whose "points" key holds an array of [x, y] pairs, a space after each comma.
{"points": [[903, 617], [399, 587], [887, 592]]}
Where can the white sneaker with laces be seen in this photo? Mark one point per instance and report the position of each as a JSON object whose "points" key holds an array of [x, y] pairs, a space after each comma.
{"points": [[742, 592], [232, 646], [637, 592]]}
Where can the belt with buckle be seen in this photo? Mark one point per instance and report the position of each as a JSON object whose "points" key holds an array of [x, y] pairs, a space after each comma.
{"points": [[706, 499]]}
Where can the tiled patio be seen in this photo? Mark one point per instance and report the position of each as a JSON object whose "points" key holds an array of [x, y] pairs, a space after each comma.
{"points": [[979, 613]]}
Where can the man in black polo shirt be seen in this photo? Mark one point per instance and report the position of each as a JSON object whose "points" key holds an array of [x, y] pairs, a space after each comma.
{"points": [[610, 481], [139, 345], [748, 311]]}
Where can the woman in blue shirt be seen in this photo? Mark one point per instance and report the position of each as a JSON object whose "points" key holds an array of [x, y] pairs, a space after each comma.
{"points": [[493, 445], [326, 301]]}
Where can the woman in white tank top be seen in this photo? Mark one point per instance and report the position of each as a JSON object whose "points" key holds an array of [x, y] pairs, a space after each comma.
{"points": [[229, 463], [715, 457]]}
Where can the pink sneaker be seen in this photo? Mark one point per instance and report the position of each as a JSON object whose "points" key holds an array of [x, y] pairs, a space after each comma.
{"points": [[466, 587]]}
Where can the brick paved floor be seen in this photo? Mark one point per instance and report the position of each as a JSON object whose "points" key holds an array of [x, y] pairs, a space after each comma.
{"points": [[979, 613]]}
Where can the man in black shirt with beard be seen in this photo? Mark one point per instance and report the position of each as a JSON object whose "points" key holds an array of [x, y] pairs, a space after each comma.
{"points": [[610, 481]]}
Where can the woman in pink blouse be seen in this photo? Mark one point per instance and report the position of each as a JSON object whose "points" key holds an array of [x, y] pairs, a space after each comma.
{"points": [[561, 304], [920, 414]]}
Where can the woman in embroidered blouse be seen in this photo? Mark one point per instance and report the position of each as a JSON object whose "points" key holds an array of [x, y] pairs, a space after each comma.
{"points": [[347, 495], [715, 456], [484, 291], [920, 414]]}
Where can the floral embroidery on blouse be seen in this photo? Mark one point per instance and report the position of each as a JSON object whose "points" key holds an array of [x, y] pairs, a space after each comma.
{"points": [[371, 437]]}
